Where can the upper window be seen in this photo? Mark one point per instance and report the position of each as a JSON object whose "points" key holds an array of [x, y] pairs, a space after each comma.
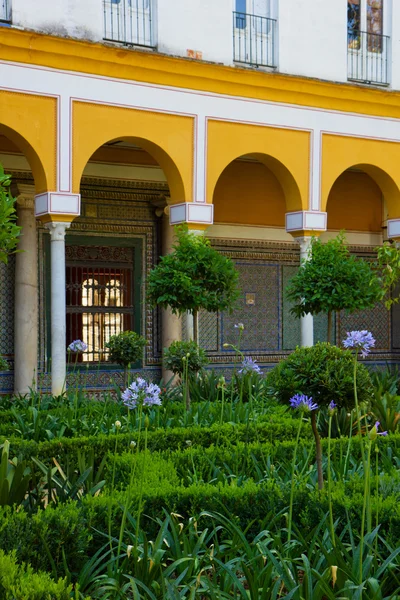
{"points": [[365, 15], [367, 46], [5, 11]]}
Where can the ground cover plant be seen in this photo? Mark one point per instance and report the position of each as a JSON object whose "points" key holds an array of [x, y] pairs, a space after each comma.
{"points": [[135, 495]]}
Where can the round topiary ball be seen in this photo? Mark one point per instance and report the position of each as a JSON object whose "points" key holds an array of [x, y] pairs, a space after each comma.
{"points": [[126, 348], [180, 354], [324, 372]]}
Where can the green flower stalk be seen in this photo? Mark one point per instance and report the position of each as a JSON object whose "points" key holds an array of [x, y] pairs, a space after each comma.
{"points": [[306, 406], [331, 412]]}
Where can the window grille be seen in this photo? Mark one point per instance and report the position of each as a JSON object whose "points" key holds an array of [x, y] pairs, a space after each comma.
{"points": [[254, 39], [128, 22], [99, 296]]}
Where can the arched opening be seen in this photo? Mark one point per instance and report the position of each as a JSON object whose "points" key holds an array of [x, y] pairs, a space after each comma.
{"points": [[19, 281], [357, 203], [110, 249], [100, 126], [251, 197], [255, 189], [249, 193]]}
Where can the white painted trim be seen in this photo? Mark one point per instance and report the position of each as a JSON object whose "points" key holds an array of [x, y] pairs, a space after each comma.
{"points": [[55, 203], [306, 220], [191, 212], [393, 228]]}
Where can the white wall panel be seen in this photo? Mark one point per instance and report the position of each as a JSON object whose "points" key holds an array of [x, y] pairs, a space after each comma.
{"points": [[200, 25], [76, 18], [313, 38]]}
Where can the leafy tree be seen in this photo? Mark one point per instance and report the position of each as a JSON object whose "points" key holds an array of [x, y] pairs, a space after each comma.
{"points": [[126, 348], [332, 280], [9, 231], [388, 259], [193, 277]]}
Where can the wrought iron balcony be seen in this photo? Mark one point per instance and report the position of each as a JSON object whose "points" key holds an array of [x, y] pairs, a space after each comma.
{"points": [[368, 57], [254, 40], [128, 22], [5, 11]]}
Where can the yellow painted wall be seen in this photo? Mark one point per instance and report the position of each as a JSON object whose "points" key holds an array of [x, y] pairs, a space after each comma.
{"points": [[131, 64], [30, 122], [379, 159], [248, 193], [355, 203], [168, 138], [285, 152]]}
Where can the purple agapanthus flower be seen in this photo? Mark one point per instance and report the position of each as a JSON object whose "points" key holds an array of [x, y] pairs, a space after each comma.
{"points": [[141, 393], [77, 346], [331, 407], [303, 403], [377, 424], [362, 340], [249, 366]]}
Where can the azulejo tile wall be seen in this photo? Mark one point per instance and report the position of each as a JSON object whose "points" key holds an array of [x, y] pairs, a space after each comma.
{"points": [[7, 309]]}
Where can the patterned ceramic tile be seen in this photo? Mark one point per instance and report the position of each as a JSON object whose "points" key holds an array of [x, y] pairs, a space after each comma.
{"points": [[7, 307], [258, 308], [290, 325], [376, 320]]}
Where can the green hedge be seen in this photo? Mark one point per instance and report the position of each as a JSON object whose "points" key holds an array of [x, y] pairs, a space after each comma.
{"points": [[75, 530], [20, 582], [275, 430]]}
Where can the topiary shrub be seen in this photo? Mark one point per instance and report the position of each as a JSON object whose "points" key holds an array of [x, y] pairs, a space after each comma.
{"points": [[178, 353], [324, 372], [126, 348]]}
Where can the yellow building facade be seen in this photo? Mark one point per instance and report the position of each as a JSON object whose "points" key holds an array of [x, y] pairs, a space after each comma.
{"points": [[110, 147]]}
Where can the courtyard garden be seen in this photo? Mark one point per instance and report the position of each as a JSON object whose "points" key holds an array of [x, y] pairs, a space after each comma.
{"points": [[258, 485]]}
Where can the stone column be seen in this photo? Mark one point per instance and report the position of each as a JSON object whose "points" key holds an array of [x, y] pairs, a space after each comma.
{"points": [[58, 307], [306, 322], [26, 310], [171, 325]]}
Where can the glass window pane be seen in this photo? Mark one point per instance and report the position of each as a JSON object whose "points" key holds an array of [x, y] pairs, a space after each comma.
{"points": [[354, 23]]}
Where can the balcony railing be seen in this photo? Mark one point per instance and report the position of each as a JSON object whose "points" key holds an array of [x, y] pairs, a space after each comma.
{"points": [[5, 11], [128, 22], [368, 57], [254, 40]]}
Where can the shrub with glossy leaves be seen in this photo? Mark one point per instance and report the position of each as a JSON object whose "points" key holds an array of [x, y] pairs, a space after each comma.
{"points": [[324, 372], [179, 352], [126, 348]]}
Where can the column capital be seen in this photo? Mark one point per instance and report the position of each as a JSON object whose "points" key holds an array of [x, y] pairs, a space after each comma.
{"points": [[306, 222], [57, 230], [25, 201], [198, 215], [57, 206]]}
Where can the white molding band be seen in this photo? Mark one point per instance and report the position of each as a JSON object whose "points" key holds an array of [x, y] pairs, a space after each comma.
{"points": [[57, 203], [191, 212], [393, 228], [306, 220]]}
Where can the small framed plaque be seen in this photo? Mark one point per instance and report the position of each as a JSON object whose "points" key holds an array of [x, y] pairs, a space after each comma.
{"points": [[250, 299]]}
